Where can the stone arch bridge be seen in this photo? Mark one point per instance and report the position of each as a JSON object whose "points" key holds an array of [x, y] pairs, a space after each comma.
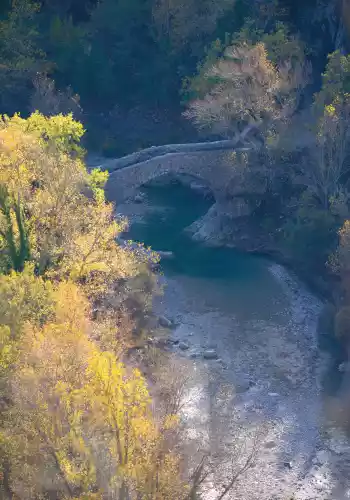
{"points": [[205, 161]]}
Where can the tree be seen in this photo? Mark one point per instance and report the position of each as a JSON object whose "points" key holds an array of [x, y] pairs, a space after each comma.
{"points": [[13, 233], [184, 22], [325, 168], [70, 235], [324, 171], [335, 80], [79, 421], [248, 90], [54, 375], [20, 53], [78, 9], [49, 101]]}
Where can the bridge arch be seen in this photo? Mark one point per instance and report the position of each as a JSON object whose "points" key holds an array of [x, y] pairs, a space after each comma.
{"points": [[209, 167]]}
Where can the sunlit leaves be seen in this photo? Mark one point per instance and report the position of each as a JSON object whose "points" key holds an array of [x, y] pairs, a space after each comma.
{"points": [[255, 79], [78, 414], [71, 230]]}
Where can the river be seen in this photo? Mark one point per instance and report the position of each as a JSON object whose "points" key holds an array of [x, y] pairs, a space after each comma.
{"points": [[266, 386]]}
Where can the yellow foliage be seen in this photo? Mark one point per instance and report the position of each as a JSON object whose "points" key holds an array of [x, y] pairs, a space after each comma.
{"points": [[24, 298], [330, 110], [72, 231], [78, 414], [79, 422]]}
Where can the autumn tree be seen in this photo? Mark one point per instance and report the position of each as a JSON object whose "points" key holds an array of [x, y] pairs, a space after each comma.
{"points": [[77, 421], [324, 171], [325, 168], [51, 101], [252, 85], [68, 228]]}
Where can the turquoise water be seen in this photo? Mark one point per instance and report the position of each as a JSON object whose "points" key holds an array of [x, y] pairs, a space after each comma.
{"points": [[178, 206], [234, 280]]}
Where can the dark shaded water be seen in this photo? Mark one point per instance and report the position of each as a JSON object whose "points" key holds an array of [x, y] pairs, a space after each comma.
{"points": [[231, 279]]}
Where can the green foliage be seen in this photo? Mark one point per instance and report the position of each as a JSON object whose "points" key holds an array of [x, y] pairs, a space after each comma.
{"points": [[63, 132], [280, 43], [283, 46], [201, 83], [20, 54], [97, 181], [108, 52], [255, 80], [310, 235], [335, 80], [68, 45], [14, 243]]}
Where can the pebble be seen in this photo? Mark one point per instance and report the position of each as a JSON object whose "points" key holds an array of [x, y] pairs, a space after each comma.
{"points": [[183, 346]]}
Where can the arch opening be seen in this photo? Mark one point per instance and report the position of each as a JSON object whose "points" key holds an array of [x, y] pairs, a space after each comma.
{"points": [[196, 184]]}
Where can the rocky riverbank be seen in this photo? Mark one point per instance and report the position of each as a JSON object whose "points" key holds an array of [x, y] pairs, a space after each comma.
{"points": [[256, 374], [265, 380]]}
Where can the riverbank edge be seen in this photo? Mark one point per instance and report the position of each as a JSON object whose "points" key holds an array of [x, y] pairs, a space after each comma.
{"points": [[246, 238]]}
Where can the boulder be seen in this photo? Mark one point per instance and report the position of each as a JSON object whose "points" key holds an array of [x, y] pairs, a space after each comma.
{"points": [[210, 354], [208, 228], [194, 355], [139, 198], [183, 346], [165, 322]]}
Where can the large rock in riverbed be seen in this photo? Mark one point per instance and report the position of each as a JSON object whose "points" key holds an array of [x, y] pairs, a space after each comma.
{"points": [[165, 322], [214, 226], [210, 354]]}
